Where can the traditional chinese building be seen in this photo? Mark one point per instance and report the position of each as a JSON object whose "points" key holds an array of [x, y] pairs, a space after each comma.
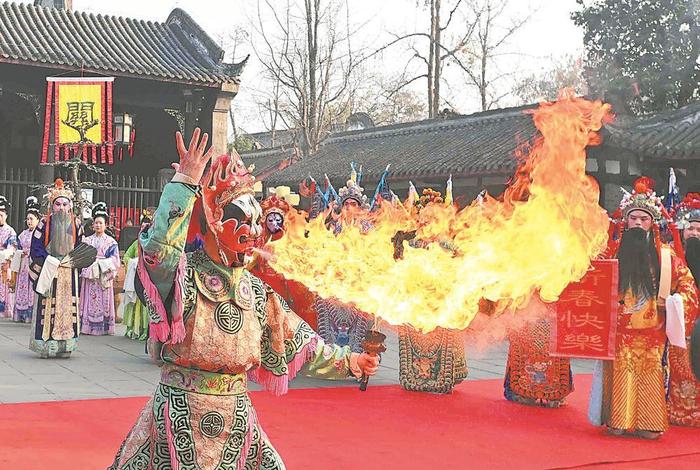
{"points": [[169, 76], [478, 151]]}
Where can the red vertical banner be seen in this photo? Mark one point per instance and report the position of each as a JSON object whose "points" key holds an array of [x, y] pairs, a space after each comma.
{"points": [[586, 321], [47, 123], [56, 144], [110, 144]]}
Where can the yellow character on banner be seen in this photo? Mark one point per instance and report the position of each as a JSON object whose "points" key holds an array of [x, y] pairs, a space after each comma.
{"points": [[80, 112]]}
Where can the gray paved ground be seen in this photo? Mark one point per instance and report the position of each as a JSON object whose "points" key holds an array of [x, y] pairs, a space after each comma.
{"points": [[114, 366]]}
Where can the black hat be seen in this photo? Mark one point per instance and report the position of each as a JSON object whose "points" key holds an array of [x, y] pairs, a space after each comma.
{"points": [[33, 207], [100, 210]]}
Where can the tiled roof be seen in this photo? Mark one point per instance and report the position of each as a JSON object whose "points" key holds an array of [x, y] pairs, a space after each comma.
{"points": [[667, 135], [481, 143], [177, 50], [268, 159]]}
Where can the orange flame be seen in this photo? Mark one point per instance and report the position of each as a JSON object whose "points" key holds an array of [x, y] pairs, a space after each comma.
{"points": [[535, 239]]}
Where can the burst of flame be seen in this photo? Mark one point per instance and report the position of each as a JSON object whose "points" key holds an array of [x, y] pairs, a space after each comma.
{"points": [[536, 238]]}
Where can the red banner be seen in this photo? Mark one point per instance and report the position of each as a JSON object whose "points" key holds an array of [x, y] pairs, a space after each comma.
{"points": [[587, 315]]}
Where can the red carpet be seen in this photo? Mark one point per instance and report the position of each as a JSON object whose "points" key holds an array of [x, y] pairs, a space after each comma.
{"points": [[381, 429]]}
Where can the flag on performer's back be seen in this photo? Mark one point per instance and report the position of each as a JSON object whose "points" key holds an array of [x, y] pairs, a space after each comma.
{"points": [[78, 119]]}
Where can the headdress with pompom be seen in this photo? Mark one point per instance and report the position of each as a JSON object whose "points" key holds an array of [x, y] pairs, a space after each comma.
{"points": [[59, 190], [688, 210], [642, 198], [274, 204]]}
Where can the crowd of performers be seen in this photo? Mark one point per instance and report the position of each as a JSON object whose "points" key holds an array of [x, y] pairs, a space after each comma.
{"points": [[648, 385], [216, 315], [56, 278]]}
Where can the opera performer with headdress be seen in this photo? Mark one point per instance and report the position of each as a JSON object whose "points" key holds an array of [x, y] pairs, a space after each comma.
{"points": [[97, 288], [215, 326], [629, 393], [684, 393], [131, 309], [300, 299], [21, 284], [8, 245], [56, 321], [435, 361]]}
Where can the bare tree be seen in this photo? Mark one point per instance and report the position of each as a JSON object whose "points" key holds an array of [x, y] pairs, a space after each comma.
{"points": [[566, 72], [452, 25], [305, 49], [493, 32]]}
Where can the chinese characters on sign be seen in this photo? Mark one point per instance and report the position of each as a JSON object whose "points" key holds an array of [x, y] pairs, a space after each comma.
{"points": [[587, 315], [78, 119]]}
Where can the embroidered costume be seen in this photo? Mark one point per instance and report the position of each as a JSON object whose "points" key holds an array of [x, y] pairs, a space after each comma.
{"points": [[24, 289], [629, 393], [97, 288], [684, 387], [533, 377], [218, 326], [8, 245], [56, 321], [435, 361]]}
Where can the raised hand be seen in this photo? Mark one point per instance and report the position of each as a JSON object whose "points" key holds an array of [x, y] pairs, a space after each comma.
{"points": [[193, 160]]}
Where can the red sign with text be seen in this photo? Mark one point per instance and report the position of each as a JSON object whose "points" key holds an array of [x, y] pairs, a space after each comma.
{"points": [[586, 320]]}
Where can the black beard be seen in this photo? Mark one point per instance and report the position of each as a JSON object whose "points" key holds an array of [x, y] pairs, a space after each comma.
{"points": [[61, 234], [639, 263], [692, 256]]}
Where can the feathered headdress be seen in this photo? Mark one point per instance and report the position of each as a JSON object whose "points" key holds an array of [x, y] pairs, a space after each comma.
{"points": [[688, 210], [353, 190], [59, 190]]}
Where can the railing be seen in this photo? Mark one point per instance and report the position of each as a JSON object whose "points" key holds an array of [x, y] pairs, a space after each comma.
{"points": [[15, 185]]}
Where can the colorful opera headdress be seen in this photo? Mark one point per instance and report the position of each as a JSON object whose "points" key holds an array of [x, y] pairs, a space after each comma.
{"points": [[59, 190], [429, 196], [227, 180], [688, 210], [353, 190], [642, 198], [274, 204]]}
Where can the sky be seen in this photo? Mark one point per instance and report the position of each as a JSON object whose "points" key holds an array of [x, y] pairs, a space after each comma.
{"points": [[550, 33]]}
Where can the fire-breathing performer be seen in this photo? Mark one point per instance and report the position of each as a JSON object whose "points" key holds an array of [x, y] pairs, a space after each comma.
{"points": [[8, 245], [684, 394], [214, 325], [56, 320], [629, 393], [21, 284], [434, 361]]}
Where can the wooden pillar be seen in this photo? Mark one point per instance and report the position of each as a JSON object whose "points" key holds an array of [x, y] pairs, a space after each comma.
{"points": [[220, 117]]}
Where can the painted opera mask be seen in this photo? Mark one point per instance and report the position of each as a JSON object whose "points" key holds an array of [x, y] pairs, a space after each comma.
{"points": [[229, 216]]}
